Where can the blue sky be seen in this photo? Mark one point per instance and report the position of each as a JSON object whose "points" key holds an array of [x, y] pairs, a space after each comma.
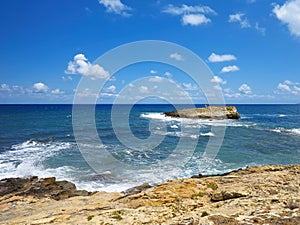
{"points": [[251, 46]]}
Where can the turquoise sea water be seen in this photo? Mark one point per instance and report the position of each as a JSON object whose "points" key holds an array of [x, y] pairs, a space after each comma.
{"points": [[39, 140]]}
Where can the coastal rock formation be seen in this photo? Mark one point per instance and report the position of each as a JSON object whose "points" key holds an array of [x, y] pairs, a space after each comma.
{"points": [[256, 195], [40, 188], [209, 112]]}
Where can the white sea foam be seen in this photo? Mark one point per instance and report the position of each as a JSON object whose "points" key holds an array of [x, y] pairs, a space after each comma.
{"points": [[294, 131], [209, 134], [26, 159], [174, 126]]}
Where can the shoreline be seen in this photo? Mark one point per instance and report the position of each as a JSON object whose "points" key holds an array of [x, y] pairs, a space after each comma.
{"points": [[255, 195]]}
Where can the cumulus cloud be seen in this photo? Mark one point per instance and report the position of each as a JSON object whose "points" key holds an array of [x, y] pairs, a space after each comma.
{"points": [[245, 89], [111, 88], [218, 80], [115, 6], [239, 18], [227, 69], [221, 58], [176, 56], [190, 15], [40, 88], [289, 14], [57, 91], [153, 71], [155, 79], [195, 19], [289, 87], [80, 65]]}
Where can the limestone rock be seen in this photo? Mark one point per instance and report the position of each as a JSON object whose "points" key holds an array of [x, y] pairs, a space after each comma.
{"points": [[271, 197], [225, 195], [209, 112]]}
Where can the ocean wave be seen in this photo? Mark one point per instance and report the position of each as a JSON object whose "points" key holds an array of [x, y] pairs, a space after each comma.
{"points": [[174, 126], [26, 159], [294, 131], [272, 115], [208, 134]]}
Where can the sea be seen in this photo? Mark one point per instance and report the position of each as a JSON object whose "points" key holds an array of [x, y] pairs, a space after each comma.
{"points": [[141, 145]]}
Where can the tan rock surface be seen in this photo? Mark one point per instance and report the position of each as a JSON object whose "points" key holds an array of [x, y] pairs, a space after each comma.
{"points": [[208, 112], [256, 195]]}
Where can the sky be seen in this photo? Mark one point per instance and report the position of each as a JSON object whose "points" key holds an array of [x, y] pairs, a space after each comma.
{"points": [[252, 47]]}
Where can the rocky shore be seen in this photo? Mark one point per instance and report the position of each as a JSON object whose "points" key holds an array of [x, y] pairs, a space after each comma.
{"points": [[256, 195]]}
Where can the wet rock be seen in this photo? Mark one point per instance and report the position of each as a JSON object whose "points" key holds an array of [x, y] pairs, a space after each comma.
{"points": [[209, 112], [44, 187]]}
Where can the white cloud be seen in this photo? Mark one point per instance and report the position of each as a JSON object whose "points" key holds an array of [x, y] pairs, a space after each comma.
{"points": [[155, 79], [143, 89], [284, 87], [189, 86], [227, 69], [131, 85], [217, 87], [115, 6], [153, 71], [185, 9], [195, 19], [221, 58], [66, 78], [4, 87], [176, 56], [245, 89], [296, 88], [262, 30], [57, 91], [289, 13], [111, 88], [239, 18], [40, 88], [80, 65], [289, 87], [168, 74], [218, 80], [191, 15]]}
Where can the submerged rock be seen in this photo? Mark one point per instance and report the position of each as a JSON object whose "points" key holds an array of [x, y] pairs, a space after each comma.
{"points": [[209, 112]]}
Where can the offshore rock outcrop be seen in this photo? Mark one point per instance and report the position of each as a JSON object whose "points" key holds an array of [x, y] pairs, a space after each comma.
{"points": [[209, 112]]}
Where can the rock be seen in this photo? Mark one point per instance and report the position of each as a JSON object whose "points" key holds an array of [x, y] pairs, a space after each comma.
{"points": [[272, 197], [293, 204], [44, 187], [224, 195], [137, 189], [209, 112]]}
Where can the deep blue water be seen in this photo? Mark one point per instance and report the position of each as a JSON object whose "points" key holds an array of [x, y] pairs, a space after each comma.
{"points": [[39, 140]]}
